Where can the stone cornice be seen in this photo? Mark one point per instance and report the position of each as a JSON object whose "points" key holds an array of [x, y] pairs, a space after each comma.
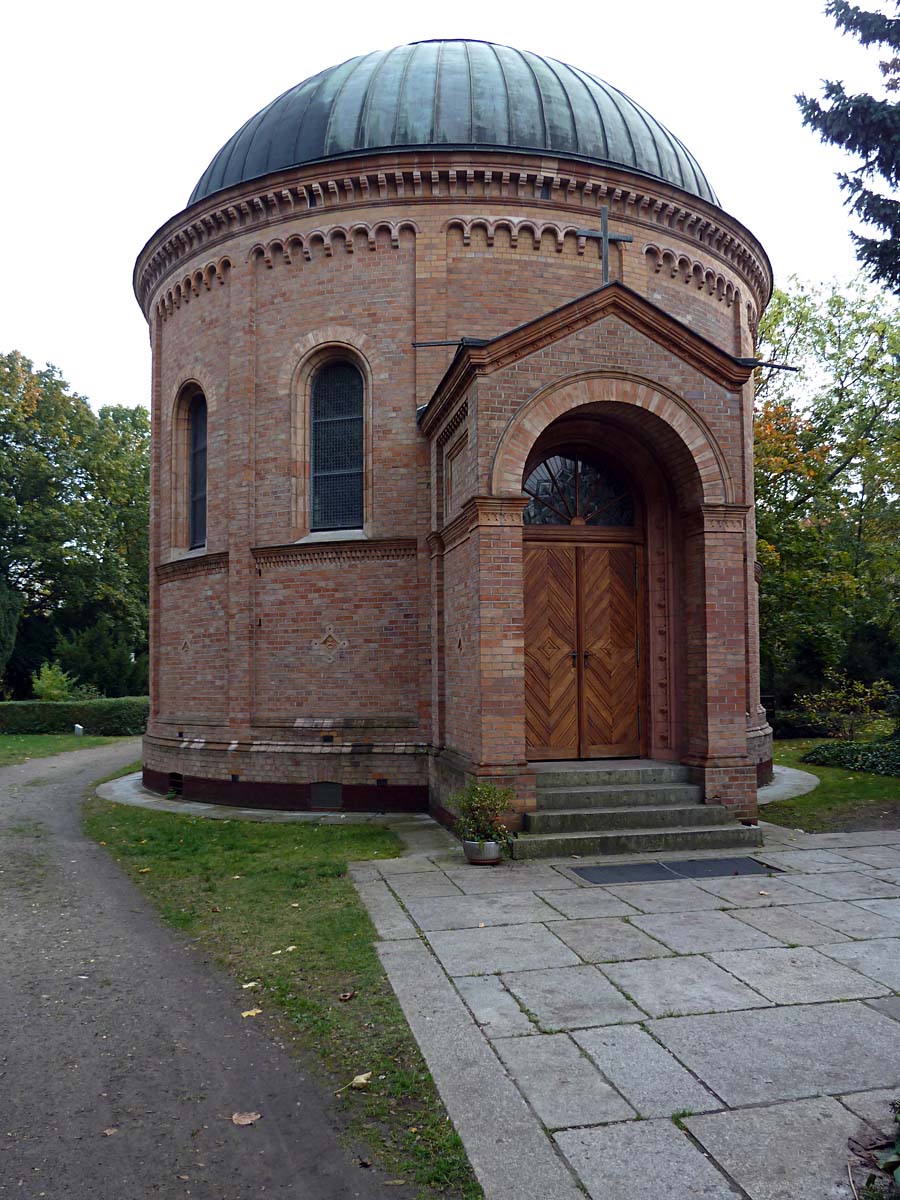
{"points": [[183, 568], [482, 511], [472, 361], [717, 518], [504, 180], [334, 552]]}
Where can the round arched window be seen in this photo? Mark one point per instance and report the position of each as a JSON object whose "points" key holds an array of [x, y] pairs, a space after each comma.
{"points": [[569, 489]]}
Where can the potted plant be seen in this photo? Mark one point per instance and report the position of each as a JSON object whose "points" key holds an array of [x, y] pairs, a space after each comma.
{"points": [[480, 807]]}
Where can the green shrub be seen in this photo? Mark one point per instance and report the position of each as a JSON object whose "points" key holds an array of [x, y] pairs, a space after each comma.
{"points": [[844, 705], [480, 808], [788, 723], [126, 715], [879, 758]]}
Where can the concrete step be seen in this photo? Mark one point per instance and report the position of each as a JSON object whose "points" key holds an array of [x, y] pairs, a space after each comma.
{"points": [[592, 774], [635, 841], [649, 816], [619, 795]]}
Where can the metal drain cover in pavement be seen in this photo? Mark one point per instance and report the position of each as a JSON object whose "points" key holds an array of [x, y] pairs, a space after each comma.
{"points": [[689, 868]]}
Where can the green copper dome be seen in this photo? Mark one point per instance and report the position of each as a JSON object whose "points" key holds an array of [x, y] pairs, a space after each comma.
{"points": [[453, 94]]}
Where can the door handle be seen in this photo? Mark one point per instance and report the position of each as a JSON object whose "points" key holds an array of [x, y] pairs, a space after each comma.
{"points": [[587, 655], [574, 656]]}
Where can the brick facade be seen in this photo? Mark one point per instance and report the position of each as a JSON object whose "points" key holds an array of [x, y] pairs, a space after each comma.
{"points": [[390, 660]]}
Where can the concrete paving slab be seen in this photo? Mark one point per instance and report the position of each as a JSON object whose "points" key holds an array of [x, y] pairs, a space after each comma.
{"points": [[874, 1108], [890, 909], [796, 1150], [890, 1006], [836, 841], [892, 874], [807, 861], [649, 1078], [700, 932], [851, 919], [607, 939], [878, 959], [507, 1147], [766, 1055], [754, 892], [410, 865], [570, 998], [875, 856], [525, 877], [587, 902], [423, 883], [493, 1007], [673, 986], [846, 885], [563, 1087], [797, 975], [643, 1158], [678, 896], [499, 948], [787, 926], [388, 917], [470, 912]]}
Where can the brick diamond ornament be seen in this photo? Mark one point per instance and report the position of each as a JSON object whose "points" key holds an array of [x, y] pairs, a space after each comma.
{"points": [[329, 645]]}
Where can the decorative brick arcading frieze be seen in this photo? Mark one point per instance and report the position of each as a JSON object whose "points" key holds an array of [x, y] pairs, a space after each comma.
{"points": [[183, 568], [679, 266], [333, 552], [453, 424], [517, 231], [303, 247], [512, 182], [196, 284]]}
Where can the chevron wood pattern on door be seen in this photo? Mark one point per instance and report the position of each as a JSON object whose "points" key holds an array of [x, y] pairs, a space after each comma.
{"points": [[582, 670], [610, 681], [551, 640]]}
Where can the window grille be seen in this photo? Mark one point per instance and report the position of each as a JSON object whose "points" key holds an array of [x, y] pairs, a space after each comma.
{"points": [[568, 489], [336, 445], [197, 473]]}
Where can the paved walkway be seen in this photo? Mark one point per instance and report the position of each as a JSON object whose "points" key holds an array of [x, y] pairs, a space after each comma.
{"points": [[122, 1051], [712, 1038]]}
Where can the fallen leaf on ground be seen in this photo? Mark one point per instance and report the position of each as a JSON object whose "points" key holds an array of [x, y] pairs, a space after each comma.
{"points": [[357, 1082], [346, 995], [364, 1162], [274, 952], [252, 983], [394, 1182], [215, 908], [109, 1132], [251, 1012], [245, 1118], [295, 904], [764, 893], [143, 870], [288, 948], [184, 1176], [481, 924]]}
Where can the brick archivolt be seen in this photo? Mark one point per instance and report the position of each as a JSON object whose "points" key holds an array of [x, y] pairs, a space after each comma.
{"points": [[534, 229], [528, 423], [405, 184]]}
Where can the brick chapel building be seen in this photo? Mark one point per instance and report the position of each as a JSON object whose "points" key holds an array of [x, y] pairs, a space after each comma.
{"points": [[452, 446]]}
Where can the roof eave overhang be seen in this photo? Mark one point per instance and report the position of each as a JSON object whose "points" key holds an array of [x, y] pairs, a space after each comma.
{"points": [[474, 359]]}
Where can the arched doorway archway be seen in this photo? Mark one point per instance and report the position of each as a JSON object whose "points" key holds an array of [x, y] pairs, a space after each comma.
{"points": [[583, 572]]}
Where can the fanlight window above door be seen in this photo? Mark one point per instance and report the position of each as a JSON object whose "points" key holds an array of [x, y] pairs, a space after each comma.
{"points": [[570, 490]]}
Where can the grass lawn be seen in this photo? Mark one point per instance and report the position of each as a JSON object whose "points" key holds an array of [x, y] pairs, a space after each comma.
{"points": [[20, 747], [844, 800], [274, 905]]}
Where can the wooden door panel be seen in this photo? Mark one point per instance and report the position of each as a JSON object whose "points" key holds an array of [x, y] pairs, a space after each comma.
{"points": [[610, 676], [551, 635]]}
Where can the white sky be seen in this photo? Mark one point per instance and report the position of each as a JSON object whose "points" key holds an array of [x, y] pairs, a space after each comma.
{"points": [[111, 112]]}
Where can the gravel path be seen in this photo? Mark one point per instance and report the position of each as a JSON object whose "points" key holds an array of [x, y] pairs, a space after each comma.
{"points": [[109, 1021]]}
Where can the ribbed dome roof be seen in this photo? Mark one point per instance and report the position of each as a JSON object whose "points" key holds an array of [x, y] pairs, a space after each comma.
{"points": [[446, 94]]}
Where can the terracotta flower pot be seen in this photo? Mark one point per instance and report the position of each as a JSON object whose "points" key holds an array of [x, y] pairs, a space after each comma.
{"points": [[482, 854]]}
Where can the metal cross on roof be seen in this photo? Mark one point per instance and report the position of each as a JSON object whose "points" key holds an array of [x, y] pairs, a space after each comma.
{"points": [[604, 237]]}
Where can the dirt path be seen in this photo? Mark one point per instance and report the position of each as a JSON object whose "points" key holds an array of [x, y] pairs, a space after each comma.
{"points": [[109, 1022]]}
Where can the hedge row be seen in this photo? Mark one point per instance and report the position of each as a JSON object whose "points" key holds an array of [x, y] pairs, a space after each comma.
{"points": [[101, 718], [881, 758]]}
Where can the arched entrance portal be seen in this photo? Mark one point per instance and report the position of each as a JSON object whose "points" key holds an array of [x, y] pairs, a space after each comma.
{"points": [[583, 597]]}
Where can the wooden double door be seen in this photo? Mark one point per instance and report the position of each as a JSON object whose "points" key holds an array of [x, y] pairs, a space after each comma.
{"points": [[583, 671]]}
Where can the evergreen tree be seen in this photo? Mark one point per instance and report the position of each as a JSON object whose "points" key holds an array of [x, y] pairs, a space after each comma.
{"points": [[868, 127]]}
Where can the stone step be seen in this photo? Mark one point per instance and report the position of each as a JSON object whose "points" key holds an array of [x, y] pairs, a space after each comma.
{"points": [[650, 816], [635, 841], [619, 795], [590, 774]]}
